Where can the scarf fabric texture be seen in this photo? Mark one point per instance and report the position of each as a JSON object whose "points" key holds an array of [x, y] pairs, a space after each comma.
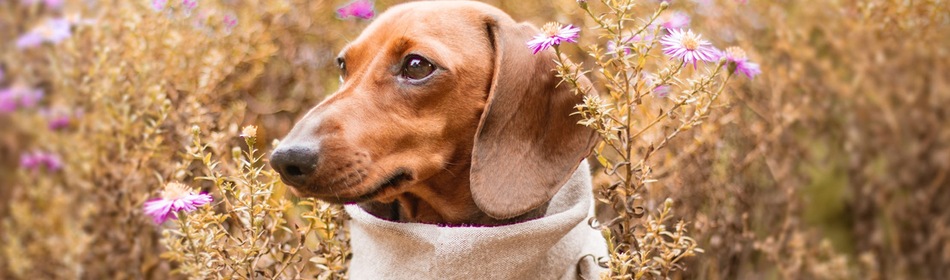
{"points": [[559, 245]]}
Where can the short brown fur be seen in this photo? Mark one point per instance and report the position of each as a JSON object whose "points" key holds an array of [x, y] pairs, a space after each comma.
{"points": [[487, 139]]}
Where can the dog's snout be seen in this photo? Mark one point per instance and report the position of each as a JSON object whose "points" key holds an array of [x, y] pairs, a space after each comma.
{"points": [[295, 164]]}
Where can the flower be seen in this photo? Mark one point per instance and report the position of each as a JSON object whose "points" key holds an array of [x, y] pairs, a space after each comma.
{"points": [[662, 91], [189, 4], [249, 131], [8, 102], [359, 8], [176, 197], [688, 46], [675, 20], [230, 22], [16, 97], [36, 160], [29, 40], [650, 81], [59, 118], [52, 30], [53, 4], [159, 5], [738, 61], [552, 34]]}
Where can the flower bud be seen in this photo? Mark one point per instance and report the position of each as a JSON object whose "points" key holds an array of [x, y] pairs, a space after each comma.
{"points": [[249, 131]]}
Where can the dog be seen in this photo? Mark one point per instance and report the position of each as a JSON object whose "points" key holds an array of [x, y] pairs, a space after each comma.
{"points": [[455, 149], [444, 117]]}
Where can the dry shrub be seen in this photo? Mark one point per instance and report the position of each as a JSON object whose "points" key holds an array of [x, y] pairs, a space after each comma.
{"points": [[832, 164], [142, 79]]}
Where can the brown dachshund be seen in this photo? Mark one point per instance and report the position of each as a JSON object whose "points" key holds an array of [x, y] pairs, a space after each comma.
{"points": [[445, 117]]}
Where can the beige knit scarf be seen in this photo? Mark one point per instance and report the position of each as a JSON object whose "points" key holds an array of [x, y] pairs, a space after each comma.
{"points": [[560, 245]]}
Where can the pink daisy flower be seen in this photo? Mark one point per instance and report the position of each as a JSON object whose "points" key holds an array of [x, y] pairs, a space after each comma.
{"points": [[688, 46], [158, 5], [189, 4], [52, 30], [36, 160], [29, 40], [8, 102], [60, 118], [675, 20], [662, 91], [230, 22], [53, 4], [176, 197], [360, 8], [552, 34], [17, 97], [738, 61]]}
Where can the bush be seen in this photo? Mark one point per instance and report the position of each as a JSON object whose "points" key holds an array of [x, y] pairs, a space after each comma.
{"points": [[831, 164]]}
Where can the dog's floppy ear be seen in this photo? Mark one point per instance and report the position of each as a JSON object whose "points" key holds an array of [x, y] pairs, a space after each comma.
{"points": [[528, 143]]}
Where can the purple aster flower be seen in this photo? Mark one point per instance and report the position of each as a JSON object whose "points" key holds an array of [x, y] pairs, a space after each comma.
{"points": [[29, 40], [688, 46], [189, 4], [60, 122], [53, 30], [662, 91], [176, 197], [552, 34], [159, 5], [52, 162], [53, 4], [675, 20], [17, 97], [59, 118], [230, 22], [29, 161], [359, 8], [738, 61], [8, 102], [37, 160], [57, 30], [29, 97]]}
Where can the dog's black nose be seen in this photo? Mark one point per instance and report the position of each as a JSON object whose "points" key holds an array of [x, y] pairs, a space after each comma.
{"points": [[295, 163]]}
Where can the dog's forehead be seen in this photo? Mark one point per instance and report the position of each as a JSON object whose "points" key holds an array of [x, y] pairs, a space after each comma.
{"points": [[449, 22]]}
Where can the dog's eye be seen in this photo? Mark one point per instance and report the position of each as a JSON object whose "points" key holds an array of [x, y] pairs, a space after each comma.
{"points": [[342, 64], [417, 68]]}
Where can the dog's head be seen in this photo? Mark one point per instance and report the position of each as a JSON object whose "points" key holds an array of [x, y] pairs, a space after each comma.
{"points": [[438, 93]]}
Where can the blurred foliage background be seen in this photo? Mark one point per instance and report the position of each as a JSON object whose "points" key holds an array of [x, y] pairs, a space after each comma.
{"points": [[832, 164]]}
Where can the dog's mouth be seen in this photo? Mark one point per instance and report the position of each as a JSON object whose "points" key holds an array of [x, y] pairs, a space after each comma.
{"points": [[388, 185], [381, 190]]}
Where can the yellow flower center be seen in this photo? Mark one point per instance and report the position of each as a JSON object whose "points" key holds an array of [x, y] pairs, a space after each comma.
{"points": [[690, 42], [551, 29], [736, 53], [176, 190]]}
